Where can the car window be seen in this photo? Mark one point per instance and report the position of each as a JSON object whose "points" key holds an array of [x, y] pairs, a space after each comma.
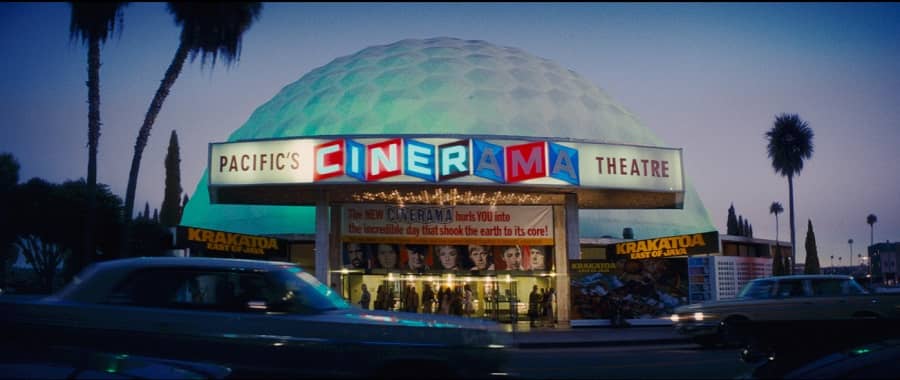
{"points": [[853, 287], [301, 292], [758, 289], [194, 289], [790, 288], [827, 287]]}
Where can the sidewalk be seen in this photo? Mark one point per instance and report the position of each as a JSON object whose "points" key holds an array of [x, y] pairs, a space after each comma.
{"points": [[525, 336]]}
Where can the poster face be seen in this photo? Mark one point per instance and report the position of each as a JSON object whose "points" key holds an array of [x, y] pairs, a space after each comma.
{"points": [[647, 288], [356, 256], [421, 258], [416, 257], [523, 257]]}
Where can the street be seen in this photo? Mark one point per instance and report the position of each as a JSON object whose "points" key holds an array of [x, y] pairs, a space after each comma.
{"points": [[682, 361]]}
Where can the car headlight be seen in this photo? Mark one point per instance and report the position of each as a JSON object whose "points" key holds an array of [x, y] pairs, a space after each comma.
{"points": [[698, 316], [674, 318]]}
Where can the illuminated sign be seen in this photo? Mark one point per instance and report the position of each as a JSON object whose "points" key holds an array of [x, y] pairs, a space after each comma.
{"points": [[414, 160], [227, 242], [670, 246]]}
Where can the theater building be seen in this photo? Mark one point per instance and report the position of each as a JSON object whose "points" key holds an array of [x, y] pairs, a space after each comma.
{"points": [[443, 163]]}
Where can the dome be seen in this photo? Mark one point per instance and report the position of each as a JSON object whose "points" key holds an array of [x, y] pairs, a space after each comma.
{"points": [[443, 86]]}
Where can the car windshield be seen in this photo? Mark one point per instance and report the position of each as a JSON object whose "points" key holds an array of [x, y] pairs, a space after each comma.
{"points": [[757, 289], [307, 292]]}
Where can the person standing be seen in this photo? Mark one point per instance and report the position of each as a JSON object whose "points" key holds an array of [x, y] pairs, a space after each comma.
{"points": [[381, 298], [467, 301], [365, 298], [445, 298], [548, 306], [534, 299], [427, 299], [412, 299]]}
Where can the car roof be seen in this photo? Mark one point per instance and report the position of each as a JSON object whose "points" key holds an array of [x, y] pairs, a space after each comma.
{"points": [[205, 262], [807, 276]]}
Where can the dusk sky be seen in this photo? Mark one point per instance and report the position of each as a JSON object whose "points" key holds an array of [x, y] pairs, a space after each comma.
{"points": [[708, 78]]}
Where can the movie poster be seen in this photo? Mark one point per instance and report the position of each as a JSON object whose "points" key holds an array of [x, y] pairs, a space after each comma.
{"points": [[648, 288], [523, 257]]}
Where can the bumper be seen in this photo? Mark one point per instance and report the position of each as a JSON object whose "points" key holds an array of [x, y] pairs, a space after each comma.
{"points": [[695, 329]]}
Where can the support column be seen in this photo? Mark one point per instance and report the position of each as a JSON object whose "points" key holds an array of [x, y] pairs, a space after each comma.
{"points": [[323, 244], [567, 241]]}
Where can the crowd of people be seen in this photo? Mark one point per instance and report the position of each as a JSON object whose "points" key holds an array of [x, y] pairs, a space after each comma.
{"points": [[540, 306], [456, 301]]}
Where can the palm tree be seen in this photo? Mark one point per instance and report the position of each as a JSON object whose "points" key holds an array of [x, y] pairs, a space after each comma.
{"points": [[207, 29], [775, 208], [790, 142], [92, 24], [871, 220]]}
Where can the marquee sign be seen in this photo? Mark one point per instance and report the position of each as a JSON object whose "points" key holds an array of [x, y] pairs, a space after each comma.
{"points": [[448, 224], [445, 160]]}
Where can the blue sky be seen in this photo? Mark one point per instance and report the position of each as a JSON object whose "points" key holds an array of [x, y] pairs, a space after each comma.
{"points": [[705, 77]]}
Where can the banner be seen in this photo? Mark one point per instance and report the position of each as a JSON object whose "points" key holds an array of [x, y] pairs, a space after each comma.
{"points": [[682, 245], [426, 224], [204, 242]]}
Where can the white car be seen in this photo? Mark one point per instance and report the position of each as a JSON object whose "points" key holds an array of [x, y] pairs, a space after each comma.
{"points": [[259, 318], [783, 298]]}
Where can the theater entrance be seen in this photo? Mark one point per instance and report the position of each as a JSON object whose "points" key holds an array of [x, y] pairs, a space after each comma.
{"points": [[502, 298]]}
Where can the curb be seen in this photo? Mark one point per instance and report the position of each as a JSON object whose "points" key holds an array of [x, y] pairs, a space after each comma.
{"points": [[601, 343]]}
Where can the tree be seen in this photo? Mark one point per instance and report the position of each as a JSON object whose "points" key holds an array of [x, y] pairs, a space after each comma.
{"points": [[746, 228], [790, 141], [9, 178], [871, 220], [170, 214], [740, 225], [146, 211], [812, 255], [777, 263], [775, 208], [732, 224], [45, 259], [184, 202], [92, 24], [208, 29]]}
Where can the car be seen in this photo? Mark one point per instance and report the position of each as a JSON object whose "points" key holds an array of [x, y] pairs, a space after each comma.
{"points": [[821, 349], [258, 318], [18, 361], [794, 297]]}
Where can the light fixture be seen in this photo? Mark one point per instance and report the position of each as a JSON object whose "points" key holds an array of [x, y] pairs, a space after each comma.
{"points": [[450, 197]]}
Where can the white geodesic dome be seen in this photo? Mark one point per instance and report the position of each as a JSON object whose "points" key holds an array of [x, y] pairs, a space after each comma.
{"points": [[444, 86]]}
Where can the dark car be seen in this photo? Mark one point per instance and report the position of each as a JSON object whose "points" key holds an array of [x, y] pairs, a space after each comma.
{"points": [[259, 318], [845, 348], [24, 361]]}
